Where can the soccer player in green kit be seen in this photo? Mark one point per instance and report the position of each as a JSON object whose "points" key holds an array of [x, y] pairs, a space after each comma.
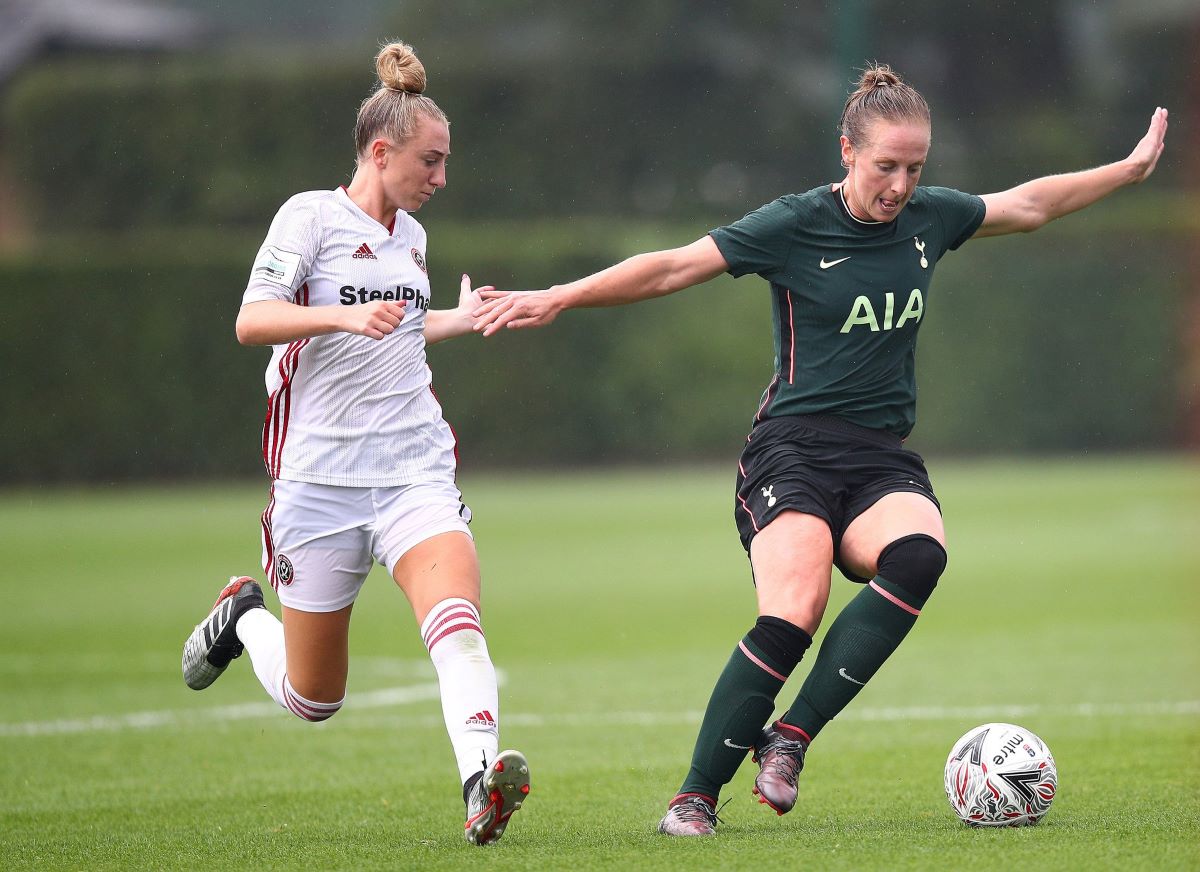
{"points": [[824, 479]]}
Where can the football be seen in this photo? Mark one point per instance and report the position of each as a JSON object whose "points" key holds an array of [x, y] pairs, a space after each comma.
{"points": [[1000, 775]]}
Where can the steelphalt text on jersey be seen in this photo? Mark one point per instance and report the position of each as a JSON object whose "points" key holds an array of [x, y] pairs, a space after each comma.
{"points": [[345, 409], [848, 298]]}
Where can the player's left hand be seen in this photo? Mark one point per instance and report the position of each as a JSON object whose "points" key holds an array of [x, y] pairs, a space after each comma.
{"points": [[1146, 153], [470, 299]]}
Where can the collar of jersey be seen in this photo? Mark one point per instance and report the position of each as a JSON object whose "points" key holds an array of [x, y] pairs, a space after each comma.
{"points": [[344, 196], [842, 197]]}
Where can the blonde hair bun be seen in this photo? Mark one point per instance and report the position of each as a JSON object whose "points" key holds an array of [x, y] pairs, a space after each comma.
{"points": [[879, 76], [399, 69]]}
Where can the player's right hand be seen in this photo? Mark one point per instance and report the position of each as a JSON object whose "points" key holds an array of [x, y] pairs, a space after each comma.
{"points": [[514, 309], [375, 319]]}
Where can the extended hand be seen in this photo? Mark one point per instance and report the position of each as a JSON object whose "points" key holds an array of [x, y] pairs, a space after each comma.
{"points": [[1145, 154], [470, 300], [514, 310]]}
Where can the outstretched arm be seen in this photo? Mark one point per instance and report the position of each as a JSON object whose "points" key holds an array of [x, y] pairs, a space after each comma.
{"points": [[1027, 207], [443, 324], [641, 277]]}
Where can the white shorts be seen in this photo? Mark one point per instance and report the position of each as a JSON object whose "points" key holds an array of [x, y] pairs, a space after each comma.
{"points": [[320, 541]]}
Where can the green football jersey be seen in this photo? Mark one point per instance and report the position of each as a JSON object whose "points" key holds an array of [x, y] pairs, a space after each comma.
{"points": [[848, 297]]}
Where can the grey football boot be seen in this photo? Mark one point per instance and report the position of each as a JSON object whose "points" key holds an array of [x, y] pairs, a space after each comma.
{"points": [[779, 753], [215, 643], [690, 814], [499, 790]]}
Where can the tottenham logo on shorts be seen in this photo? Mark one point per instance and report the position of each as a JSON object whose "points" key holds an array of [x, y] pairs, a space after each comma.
{"points": [[419, 261], [283, 570], [768, 492]]}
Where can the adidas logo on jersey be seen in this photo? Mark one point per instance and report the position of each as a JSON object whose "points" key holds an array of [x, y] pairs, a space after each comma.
{"points": [[481, 719], [364, 252]]}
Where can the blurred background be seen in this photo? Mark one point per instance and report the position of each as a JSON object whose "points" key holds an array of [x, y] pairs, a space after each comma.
{"points": [[144, 148]]}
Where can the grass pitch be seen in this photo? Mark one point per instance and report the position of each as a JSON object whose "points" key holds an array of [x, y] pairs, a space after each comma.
{"points": [[611, 602]]}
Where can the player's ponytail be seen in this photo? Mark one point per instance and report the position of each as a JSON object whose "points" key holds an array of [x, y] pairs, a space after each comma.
{"points": [[399, 99], [880, 93]]}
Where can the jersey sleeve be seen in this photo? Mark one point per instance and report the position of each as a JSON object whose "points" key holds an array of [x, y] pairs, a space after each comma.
{"points": [[760, 242], [960, 214], [286, 257]]}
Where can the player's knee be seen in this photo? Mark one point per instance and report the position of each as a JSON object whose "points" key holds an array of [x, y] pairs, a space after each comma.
{"points": [[308, 709], [914, 563], [781, 640]]}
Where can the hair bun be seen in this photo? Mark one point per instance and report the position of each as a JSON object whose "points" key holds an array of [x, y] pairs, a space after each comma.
{"points": [[879, 76], [399, 70]]}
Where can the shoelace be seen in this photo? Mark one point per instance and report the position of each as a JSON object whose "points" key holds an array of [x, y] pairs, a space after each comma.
{"points": [[694, 809], [785, 756]]}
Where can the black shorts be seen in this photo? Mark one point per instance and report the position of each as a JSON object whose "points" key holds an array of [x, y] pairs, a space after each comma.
{"points": [[821, 466]]}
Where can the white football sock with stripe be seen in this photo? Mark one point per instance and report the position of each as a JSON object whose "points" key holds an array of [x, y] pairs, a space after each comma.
{"points": [[470, 704], [262, 634]]}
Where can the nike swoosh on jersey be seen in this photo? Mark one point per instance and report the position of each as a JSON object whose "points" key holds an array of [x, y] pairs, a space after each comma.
{"points": [[826, 264]]}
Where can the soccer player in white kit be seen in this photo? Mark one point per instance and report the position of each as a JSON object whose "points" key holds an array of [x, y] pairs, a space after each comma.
{"points": [[362, 461]]}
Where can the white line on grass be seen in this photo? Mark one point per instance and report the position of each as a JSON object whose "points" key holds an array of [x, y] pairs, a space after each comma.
{"points": [[398, 696], [149, 720]]}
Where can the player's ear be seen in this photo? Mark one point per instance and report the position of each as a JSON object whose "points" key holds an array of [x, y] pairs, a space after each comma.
{"points": [[847, 152], [378, 151]]}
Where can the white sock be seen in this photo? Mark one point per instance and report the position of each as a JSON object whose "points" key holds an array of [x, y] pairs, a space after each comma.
{"points": [[306, 709], [262, 634], [470, 704]]}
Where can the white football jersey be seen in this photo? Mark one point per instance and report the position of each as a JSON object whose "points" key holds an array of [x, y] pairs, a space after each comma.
{"points": [[345, 409]]}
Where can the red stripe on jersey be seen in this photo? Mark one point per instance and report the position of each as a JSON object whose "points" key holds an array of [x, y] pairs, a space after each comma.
{"points": [[279, 406], [766, 401], [268, 540], [279, 409], [792, 328], [286, 415]]}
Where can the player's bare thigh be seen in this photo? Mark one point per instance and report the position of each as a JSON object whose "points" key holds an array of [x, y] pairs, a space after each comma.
{"points": [[437, 568], [890, 518], [318, 653], [792, 559]]}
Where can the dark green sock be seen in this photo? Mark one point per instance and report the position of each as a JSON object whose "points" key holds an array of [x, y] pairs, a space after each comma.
{"points": [[741, 703], [865, 634]]}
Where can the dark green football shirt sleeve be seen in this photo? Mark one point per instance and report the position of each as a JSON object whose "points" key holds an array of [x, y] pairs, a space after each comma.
{"points": [[960, 214], [759, 243]]}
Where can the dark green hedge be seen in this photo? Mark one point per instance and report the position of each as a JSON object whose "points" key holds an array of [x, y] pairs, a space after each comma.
{"points": [[218, 141], [122, 363]]}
